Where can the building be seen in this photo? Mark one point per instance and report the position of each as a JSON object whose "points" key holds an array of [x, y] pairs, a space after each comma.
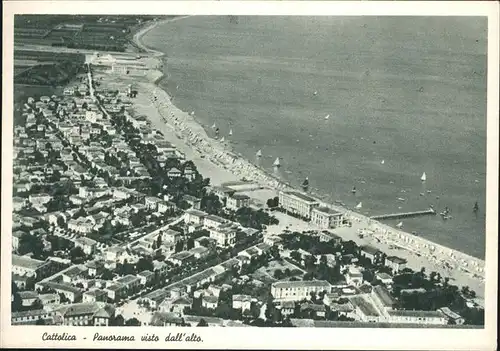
{"points": [[154, 298], [166, 319], [297, 203], [88, 245], [182, 258], [130, 282], [384, 278], [192, 216], [28, 298], [242, 302], [417, 317], [237, 201], [94, 268], [32, 316], [145, 277], [326, 218], [395, 263], [298, 290], [224, 236], [199, 252], [212, 221], [23, 265], [452, 317], [95, 295], [116, 291], [365, 310], [73, 294], [354, 276], [16, 238], [87, 314], [210, 302], [382, 298], [370, 252]]}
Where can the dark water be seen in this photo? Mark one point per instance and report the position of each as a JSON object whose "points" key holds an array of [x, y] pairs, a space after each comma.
{"points": [[410, 91]]}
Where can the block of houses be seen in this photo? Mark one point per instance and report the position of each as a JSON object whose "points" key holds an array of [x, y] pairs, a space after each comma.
{"points": [[237, 201], [354, 276], [115, 253], [171, 235], [176, 305], [298, 290], [87, 314], [32, 316]]}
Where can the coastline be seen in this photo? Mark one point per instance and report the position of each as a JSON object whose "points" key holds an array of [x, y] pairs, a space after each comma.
{"points": [[223, 165]]}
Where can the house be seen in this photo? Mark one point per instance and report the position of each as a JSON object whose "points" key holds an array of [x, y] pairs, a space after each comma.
{"points": [[16, 238], [326, 218], [88, 245], [343, 309], [94, 268], [171, 235], [384, 278], [370, 252], [313, 310], [395, 263], [18, 203], [115, 253], [223, 192], [87, 314], [178, 305], [154, 298], [210, 302], [145, 277], [28, 298], [39, 199], [72, 293], [224, 236], [237, 201], [116, 291], [174, 173], [32, 316], [273, 240], [23, 265], [95, 295], [82, 225], [297, 203], [192, 216], [20, 280], [193, 201], [182, 258], [242, 302], [165, 206], [365, 310], [193, 321], [298, 290], [212, 221], [151, 202], [48, 300], [199, 252], [205, 241], [130, 282], [287, 308], [165, 319], [452, 317], [73, 274], [354, 276]]}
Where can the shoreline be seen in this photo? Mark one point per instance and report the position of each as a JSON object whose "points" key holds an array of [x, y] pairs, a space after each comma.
{"points": [[227, 166]]}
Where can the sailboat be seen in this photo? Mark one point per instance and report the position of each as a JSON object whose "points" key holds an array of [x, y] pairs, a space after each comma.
{"points": [[383, 161], [353, 190], [259, 153], [213, 126], [305, 184], [476, 207], [230, 132], [423, 177], [327, 116], [277, 162], [360, 205], [399, 225], [222, 139]]}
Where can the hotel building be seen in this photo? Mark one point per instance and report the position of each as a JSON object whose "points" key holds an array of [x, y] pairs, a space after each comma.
{"points": [[297, 203], [326, 218], [298, 290]]}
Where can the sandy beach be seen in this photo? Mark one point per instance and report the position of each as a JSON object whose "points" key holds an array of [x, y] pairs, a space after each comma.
{"points": [[215, 160]]}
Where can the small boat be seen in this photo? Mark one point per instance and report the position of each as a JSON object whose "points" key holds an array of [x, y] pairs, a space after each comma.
{"points": [[353, 190], [192, 113], [222, 139], [306, 182], [421, 90], [230, 132], [423, 177], [259, 153], [401, 199], [213, 126], [422, 194], [360, 205], [327, 116], [383, 161], [476, 207], [399, 225], [428, 191], [276, 162], [315, 93]]}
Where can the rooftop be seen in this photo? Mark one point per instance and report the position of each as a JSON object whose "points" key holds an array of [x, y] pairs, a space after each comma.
{"points": [[416, 314], [327, 210], [384, 295], [26, 262], [369, 249], [300, 196], [366, 308], [301, 284], [397, 260]]}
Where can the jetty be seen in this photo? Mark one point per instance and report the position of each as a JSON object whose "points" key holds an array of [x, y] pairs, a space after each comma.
{"points": [[429, 211]]}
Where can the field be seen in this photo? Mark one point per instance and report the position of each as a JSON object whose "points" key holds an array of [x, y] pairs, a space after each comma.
{"points": [[86, 32], [266, 274], [46, 68]]}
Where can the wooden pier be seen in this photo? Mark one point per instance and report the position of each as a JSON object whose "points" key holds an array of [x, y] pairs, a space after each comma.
{"points": [[429, 211]]}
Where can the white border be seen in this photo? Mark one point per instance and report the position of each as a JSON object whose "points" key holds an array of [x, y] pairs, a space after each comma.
{"points": [[263, 338]]}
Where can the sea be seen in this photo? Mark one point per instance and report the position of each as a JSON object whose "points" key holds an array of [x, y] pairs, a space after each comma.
{"points": [[364, 102]]}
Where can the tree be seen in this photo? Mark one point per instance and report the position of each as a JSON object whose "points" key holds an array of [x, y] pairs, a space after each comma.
{"points": [[40, 321], [118, 321], [278, 274], [202, 323], [133, 322], [144, 264], [190, 243], [179, 246]]}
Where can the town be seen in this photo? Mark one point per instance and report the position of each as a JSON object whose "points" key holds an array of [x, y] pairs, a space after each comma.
{"points": [[114, 226]]}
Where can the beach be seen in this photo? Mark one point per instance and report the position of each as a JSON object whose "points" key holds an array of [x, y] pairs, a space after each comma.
{"points": [[216, 161]]}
